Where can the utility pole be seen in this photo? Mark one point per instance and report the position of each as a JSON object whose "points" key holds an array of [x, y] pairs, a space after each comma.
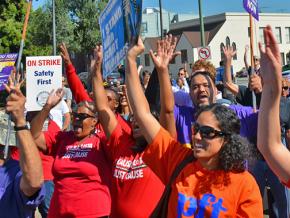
{"points": [[201, 23], [161, 20], [53, 27]]}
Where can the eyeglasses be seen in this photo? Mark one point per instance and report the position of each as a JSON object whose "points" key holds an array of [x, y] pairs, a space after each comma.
{"points": [[285, 88], [81, 116], [206, 132]]}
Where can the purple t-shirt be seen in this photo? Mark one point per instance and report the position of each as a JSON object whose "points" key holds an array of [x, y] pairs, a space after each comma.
{"points": [[184, 117], [14, 203]]}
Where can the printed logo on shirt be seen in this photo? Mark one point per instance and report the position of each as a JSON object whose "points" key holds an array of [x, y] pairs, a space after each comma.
{"points": [[129, 169], [77, 151], [187, 206]]}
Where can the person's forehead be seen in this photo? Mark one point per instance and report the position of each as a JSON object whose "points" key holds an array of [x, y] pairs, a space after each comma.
{"points": [[207, 118], [85, 110], [199, 79]]}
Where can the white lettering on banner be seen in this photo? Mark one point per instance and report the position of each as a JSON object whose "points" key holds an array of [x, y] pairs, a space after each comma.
{"points": [[252, 6], [129, 169], [77, 151]]}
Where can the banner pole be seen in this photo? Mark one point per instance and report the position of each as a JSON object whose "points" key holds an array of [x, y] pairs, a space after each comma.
{"points": [[254, 101]]}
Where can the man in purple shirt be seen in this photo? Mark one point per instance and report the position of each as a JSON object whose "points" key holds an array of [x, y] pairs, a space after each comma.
{"points": [[203, 92], [21, 189]]}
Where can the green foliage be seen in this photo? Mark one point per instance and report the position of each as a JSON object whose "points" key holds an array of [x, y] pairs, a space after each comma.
{"points": [[11, 15]]}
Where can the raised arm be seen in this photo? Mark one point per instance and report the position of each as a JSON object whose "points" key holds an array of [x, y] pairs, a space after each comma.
{"points": [[38, 121], [106, 115], [269, 131], [161, 61], [30, 162], [228, 83], [148, 124], [79, 92]]}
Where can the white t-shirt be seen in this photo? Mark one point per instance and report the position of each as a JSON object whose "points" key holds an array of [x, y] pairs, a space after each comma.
{"points": [[56, 114]]}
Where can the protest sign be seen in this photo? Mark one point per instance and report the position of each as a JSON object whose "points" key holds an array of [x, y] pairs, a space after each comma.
{"points": [[120, 26], [7, 61], [42, 75], [251, 6]]}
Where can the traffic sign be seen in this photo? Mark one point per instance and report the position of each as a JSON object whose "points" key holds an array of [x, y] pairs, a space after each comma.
{"points": [[204, 53]]}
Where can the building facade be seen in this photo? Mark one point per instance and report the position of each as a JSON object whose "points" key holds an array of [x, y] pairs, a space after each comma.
{"points": [[226, 29]]}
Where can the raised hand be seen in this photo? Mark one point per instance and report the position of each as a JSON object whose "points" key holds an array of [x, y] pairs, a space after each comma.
{"points": [[64, 53], [164, 54], [14, 81], [15, 105], [271, 64], [136, 50], [96, 61], [54, 97], [229, 53]]}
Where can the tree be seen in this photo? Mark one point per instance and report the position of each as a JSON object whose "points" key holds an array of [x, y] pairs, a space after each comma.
{"points": [[12, 14]]}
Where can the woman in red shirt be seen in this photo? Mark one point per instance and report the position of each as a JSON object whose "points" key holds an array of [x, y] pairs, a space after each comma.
{"points": [[81, 172]]}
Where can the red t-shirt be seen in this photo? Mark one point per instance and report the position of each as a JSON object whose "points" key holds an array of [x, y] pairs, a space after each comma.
{"points": [[136, 190], [81, 176], [197, 192]]}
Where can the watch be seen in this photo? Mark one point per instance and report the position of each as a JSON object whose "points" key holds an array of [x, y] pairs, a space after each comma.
{"points": [[19, 128]]}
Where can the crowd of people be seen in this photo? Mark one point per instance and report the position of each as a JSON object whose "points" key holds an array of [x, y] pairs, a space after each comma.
{"points": [[151, 148]]}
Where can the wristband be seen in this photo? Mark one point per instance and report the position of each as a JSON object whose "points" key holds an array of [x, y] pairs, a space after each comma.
{"points": [[19, 128]]}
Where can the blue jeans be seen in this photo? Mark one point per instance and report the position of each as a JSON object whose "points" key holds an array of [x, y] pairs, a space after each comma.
{"points": [[281, 194], [44, 206]]}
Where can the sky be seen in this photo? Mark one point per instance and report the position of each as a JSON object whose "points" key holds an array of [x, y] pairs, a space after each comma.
{"points": [[209, 7]]}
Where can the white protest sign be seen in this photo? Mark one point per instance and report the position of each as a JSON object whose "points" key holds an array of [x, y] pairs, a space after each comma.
{"points": [[204, 53], [43, 74]]}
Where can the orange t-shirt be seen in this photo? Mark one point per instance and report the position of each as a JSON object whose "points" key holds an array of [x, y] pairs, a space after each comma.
{"points": [[198, 192]]}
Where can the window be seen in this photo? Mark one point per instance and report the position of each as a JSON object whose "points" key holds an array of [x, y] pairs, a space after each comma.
{"points": [[278, 34], [222, 51], [261, 34], [184, 56], [144, 27], [147, 60], [283, 58], [228, 41], [235, 49], [287, 30]]}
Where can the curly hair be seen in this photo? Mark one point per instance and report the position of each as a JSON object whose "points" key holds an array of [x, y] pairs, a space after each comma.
{"points": [[236, 150], [206, 65]]}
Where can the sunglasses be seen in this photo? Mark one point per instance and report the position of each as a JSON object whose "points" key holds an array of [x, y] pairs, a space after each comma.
{"points": [[285, 88], [81, 116], [206, 132]]}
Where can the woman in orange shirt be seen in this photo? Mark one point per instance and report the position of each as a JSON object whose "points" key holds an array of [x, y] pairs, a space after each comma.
{"points": [[216, 184]]}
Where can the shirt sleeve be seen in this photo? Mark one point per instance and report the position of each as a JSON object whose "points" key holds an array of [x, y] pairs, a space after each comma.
{"points": [[22, 199], [51, 140], [164, 154], [76, 86], [64, 107], [250, 202], [241, 95]]}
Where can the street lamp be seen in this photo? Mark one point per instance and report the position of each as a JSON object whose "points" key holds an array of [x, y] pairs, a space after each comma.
{"points": [[201, 23], [161, 20], [53, 27]]}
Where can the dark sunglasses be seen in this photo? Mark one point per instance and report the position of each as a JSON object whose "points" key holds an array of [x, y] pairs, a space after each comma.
{"points": [[81, 116], [285, 87], [206, 132]]}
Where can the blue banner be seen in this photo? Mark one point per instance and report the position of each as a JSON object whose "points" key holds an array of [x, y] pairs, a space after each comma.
{"points": [[120, 26], [251, 6], [7, 62]]}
